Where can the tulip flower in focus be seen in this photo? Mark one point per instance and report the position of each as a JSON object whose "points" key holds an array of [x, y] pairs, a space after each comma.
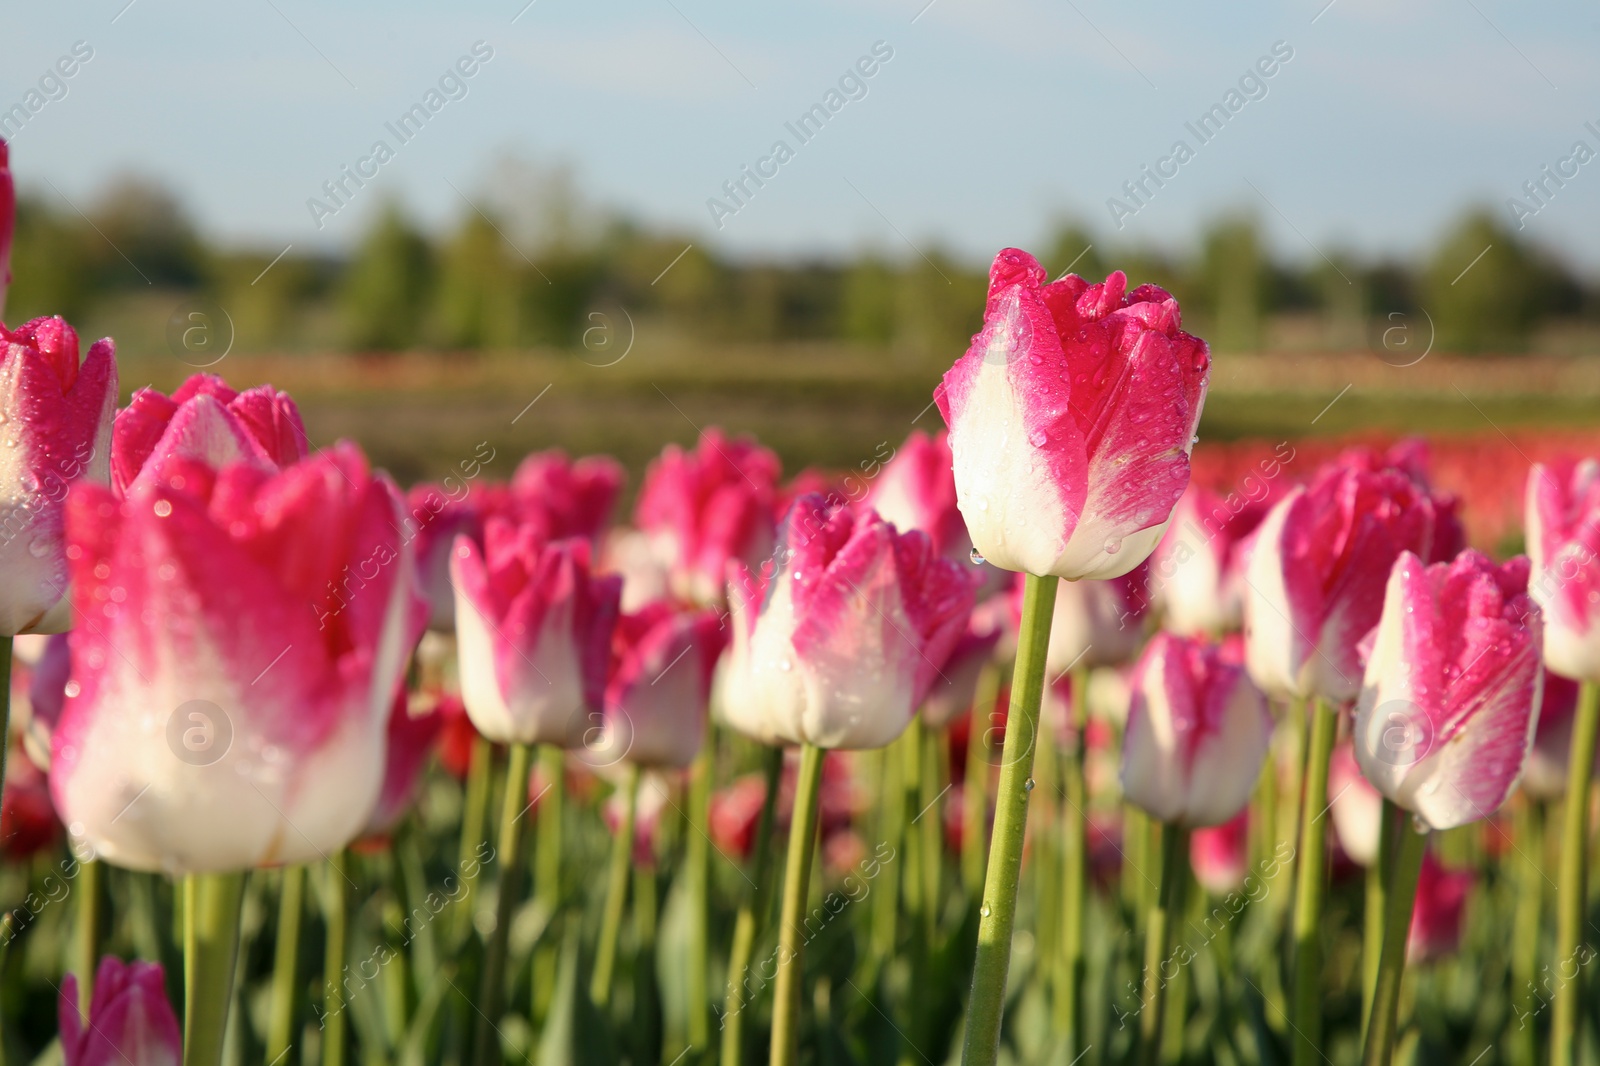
{"points": [[1197, 571], [1563, 524], [534, 626], [656, 699], [8, 221], [1544, 775], [1071, 420], [1317, 568], [1220, 854], [705, 508], [56, 416], [1355, 807], [130, 1022], [1451, 696], [1441, 904], [204, 419], [410, 741], [228, 705], [838, 644], [1197, 734]]}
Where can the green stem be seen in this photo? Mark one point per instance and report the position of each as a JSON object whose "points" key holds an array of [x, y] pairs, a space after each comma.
{"points": [[547, 866], [1376, 911], [91, 893], [491, 995], [1074, 870], [791, 933], [5, 704], [752, 908], [286, 963], [616, 893], [336, 911], [697, 859], [1406, 865], [646, 999], [1570, 891], [1525, 928], [886, 899], [975, 789], [474, 814], [1311, 889], [211, 904], [986, 1006], [932, 825], [1173, 877]]}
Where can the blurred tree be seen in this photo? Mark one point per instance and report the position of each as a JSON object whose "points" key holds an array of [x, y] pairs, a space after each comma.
{"points": [[558, 290], [940, 306], [382, 298], [267, 306], [475, 303], [51, 263], [1342, 294], [1231, 283], [147, 238], [1486, 289], [867, 311]]}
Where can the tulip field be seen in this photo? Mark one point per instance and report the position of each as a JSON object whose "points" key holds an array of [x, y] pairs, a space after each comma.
{"points": [[1045, 737]]}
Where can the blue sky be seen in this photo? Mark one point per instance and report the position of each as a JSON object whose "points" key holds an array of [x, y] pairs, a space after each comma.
{"points": [[993, 119]]}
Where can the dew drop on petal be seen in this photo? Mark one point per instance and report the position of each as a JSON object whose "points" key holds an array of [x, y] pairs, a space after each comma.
{"points": [[1113, 545], [39, 547], [162, 508], [72, 689], [976, 557], [1037, 438]]}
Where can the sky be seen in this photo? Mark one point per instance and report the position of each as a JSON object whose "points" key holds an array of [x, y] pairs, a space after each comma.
{"points": [[989, 123]]}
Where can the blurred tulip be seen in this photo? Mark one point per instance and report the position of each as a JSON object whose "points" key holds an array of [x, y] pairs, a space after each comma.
{"points": [[410, 741], [735, 814], [558, 497], [707, 507], [1197, 734], [456, 735], [28, 823], [951, 693], [1544, 775], [36, 717], [1197, 571], [917, 490], [1563, 523], [1316, 572], [1451, 695], [434, 521], [1071, 420], [57, 419], [534, 627], [8, 221], [169, 754], [1436, 917], [1096, 623], [645, 577], [838, 644], [1355, 806], [204, 420], [130, 1022], [1220, 854], [656, 699]]}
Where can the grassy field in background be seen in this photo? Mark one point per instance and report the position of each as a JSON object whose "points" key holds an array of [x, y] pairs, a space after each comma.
{"points": [[419, 414]]}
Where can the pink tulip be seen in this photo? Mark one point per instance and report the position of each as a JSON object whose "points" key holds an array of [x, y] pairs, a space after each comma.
{"points": [[207, 420], [1197, 734], [953, 688], [1071, 420], [1441, 904], [1197, 571], [1096, 622], [1317, 567], [558, 497], [8, 221], [837, 643], [131, 1023], [1355, 807], [56, 418], [245, 632], [435, 520], [656, 700], [707, 507], [916, 489], [534, 626], [1220, 854], [410, 740], [1451, 695], [1544, 775], [1563, 523]]}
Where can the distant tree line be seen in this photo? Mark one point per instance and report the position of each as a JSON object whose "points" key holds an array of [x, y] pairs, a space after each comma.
{"points": [[489, 284]]}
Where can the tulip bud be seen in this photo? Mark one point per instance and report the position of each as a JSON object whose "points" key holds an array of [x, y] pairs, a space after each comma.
{"points": [[534, 629], [56, 422], [245, 633], [1096, 623], [130, 1018], [1355, 807], [1197, 571], [1451, 695], [1220, 854], [917, 490], [1563, 522], [434, 521], [1071, 420], [1436, 917], [557, 497], [837, 643], [204, 420], [1197, 734], [410, 741]]}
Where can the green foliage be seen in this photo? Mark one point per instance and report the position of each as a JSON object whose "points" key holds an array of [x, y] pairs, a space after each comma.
{"points": [[384, 291], [1486, 289]]}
